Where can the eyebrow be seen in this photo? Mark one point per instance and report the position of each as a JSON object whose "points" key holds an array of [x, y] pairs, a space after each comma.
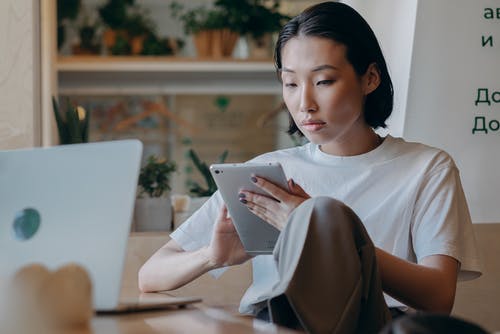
{"points": [[316, 69]]}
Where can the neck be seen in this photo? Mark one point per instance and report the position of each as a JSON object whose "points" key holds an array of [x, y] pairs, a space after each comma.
{"points": [[361, 143]]}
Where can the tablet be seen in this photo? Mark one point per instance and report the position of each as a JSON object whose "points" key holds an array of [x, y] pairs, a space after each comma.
{"points": [[257, 236]]}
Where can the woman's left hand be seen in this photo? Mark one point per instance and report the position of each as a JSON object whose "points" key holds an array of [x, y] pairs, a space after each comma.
{"points": [[276, 208]]}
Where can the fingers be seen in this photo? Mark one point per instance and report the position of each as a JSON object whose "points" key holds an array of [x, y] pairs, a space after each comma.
{"points": [[265, 214], [286, 197], [297, 189], [223, 217], [276, 209], [222, 213], [270, 188], [251, 200]]}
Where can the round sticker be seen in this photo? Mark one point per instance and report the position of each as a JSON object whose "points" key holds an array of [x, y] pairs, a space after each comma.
{"points": [[26, 224]]}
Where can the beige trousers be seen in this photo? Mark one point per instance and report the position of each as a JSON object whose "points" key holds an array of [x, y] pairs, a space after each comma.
{"points": [[329, 281]]}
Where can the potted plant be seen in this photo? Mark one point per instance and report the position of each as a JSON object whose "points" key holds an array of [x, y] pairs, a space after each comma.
{"points": [[263, 19], [165, 46], [200, 193], [153, 208], [138, 27], [72, 125], [114, 15], [88, 27], [215, 31], [210, 187]]}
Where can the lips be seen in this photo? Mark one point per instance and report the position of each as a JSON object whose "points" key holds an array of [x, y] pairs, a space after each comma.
{"points": [[312, 125]]}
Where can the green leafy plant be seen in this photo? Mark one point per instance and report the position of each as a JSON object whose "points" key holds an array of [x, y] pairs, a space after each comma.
{"points": [[263, 16], [87, 35], [67, 9], [154, 177], [87, 31], [222, 15], [72, 125], [114, 13], [202, 167], [153, 45], [254, 17], [138, 22], [122, 46]]}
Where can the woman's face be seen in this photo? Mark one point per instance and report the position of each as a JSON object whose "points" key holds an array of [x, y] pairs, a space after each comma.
{"points": [[322, 91]]}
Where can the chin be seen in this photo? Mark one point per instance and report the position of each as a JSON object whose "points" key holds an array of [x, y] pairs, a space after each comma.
{"points": [[318, 140]]}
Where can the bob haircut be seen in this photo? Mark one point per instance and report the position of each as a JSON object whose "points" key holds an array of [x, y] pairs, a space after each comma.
{"points": [[342, 24]]}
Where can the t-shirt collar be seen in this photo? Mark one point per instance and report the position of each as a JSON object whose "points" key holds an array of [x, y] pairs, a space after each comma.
{"points": [[378, 154]]}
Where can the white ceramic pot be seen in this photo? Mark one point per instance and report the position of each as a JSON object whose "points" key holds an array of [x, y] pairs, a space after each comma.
{"points": [[153, 214]]}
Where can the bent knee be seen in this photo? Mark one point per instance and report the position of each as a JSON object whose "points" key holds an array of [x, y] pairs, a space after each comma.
{"points": [[329, 211], [329, 206]]}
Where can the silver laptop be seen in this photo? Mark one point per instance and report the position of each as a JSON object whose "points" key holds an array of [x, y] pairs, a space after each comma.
{"points": [[73, 203]]}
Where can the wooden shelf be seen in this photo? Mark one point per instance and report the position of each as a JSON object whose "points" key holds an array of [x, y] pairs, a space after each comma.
{"points": [[153, 64], [96, 75]]}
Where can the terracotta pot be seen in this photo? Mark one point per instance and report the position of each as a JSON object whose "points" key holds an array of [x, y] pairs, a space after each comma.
{"points": [[109, 37], [136, 44], [203, 43], [215, 43], [78, 50], [223, 42]]}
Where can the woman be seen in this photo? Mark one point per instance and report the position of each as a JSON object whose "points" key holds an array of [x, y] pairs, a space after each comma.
{"points": [[364, 215]]}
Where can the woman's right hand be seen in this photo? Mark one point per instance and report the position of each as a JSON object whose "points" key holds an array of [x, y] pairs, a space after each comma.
{"points": [[226, 248]]}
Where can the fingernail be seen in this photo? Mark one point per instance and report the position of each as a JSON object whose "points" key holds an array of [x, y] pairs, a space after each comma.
{"points": [[254, 179], [242, 200], [241, 195]]}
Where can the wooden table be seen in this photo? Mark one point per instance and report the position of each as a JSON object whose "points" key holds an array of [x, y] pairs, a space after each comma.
{"points": [[218, 313], [198, 318]]}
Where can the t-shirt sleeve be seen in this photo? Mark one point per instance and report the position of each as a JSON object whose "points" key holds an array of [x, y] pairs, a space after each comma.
{"points": [[442, 223], [196, 231]]}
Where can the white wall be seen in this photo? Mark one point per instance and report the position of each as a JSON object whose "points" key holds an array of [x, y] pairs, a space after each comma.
{"points": [[19, 71], [449, 65], [393, 22]]}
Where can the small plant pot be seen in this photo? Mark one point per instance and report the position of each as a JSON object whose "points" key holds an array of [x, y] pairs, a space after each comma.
{"points": [[109, 37], [153, 214], [223, 43], [78, 49], [136, 44], [203, 43], [218, 43]]}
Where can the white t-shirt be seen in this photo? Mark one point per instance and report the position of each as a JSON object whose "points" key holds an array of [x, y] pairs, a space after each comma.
{"points": [[408, 196]]}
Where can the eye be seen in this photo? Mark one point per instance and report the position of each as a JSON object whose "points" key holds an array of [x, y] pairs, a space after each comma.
{"points": [[290, 85], [324, 82]]}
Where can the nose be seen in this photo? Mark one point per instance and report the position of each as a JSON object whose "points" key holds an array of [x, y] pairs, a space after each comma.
{"points": [[307, 100]]}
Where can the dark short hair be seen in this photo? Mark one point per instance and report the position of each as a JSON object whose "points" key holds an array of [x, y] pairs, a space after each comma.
{"points": [[429, 323], [342, 24]]}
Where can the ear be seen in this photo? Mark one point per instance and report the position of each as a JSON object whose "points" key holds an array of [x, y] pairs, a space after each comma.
{"points": [[371, 79]]}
